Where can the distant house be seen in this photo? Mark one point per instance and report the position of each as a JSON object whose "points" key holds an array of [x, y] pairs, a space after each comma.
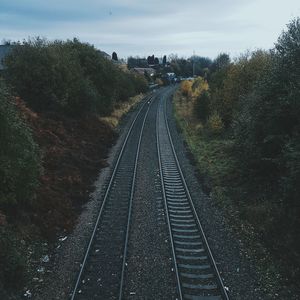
{"points": [[104, 54], [142, 71], [4, 51]]}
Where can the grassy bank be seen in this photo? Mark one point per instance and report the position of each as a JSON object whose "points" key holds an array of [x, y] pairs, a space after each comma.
{"points": [[213, 156]]}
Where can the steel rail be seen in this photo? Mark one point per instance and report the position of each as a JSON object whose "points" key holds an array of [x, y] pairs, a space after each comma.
{"points": [[148, 98], [210, 256], [166, 209], [223, 290], [130, 203]]}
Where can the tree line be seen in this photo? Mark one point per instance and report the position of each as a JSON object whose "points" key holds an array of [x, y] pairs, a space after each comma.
{"points": [[67, 77], [253, 104], [66, 80], [182, 67]]}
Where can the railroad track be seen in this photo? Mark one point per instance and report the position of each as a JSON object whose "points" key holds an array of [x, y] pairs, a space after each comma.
{"points": [[101, 273], [196, 272]]}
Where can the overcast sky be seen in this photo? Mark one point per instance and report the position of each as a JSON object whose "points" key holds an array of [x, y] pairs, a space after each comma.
{"points": [[145, 27]]}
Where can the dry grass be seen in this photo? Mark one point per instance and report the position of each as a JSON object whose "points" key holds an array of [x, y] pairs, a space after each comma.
{"points": [[212, 154], [183, 105], [121, 109], [184, 108]]}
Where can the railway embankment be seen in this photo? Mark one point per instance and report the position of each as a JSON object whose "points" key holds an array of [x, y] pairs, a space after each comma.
{"points": [[55, 137], [221, 200]]}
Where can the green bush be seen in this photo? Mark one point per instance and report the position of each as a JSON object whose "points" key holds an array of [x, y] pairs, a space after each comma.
{"points": [[255, 103], [12, 261], [140, 83], [19, 155], [269, 115], [215, 124], [202, 106], [126, 87], [266, 132], [71, 77], [230, 82]]}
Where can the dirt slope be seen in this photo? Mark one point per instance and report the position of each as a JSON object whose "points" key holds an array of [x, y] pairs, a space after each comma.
{"points": [[73, 151]]}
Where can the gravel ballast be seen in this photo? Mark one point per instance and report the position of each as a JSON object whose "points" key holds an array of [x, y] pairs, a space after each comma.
{"points": [[149, 273]]}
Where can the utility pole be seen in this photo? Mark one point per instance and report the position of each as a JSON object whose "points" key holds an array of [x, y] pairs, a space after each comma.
{"points": [[193, 63]]}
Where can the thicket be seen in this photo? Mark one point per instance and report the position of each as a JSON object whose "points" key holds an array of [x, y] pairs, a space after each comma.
{"points": [[267, 135], [71, 80], [19, 155], [68, 76], [256, 99], [19, 172], [194, 65], [12, 262]]}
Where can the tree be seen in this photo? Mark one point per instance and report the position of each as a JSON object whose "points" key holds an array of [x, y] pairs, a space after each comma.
{"points": [[147, 76], [202, 106], [221, 62], [156, 61], [114, 56], [151, 60], [91, 84], [200, 64], [267, 139], [19, 155], [164, 60]]}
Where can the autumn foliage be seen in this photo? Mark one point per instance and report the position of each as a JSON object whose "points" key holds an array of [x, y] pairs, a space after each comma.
{"points": [[251, 110]]}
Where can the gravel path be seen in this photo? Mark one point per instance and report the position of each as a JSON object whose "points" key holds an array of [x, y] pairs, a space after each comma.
{"points": [[149, 272]]}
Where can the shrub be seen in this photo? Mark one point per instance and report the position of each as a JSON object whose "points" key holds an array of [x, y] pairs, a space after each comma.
{"points": [[215, 124], [231, 82], [70, 77], [240, 80], [269, 116], [140, 84], [266, 132], [221, 62], [12, 261], [255, 104], [186, 88], [19, 155], [202, 106], [199, 85], [31, 70], [290, 181]]}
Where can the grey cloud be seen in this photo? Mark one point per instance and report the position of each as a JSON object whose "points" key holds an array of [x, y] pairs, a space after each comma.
{"points": [[140, 26]]}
